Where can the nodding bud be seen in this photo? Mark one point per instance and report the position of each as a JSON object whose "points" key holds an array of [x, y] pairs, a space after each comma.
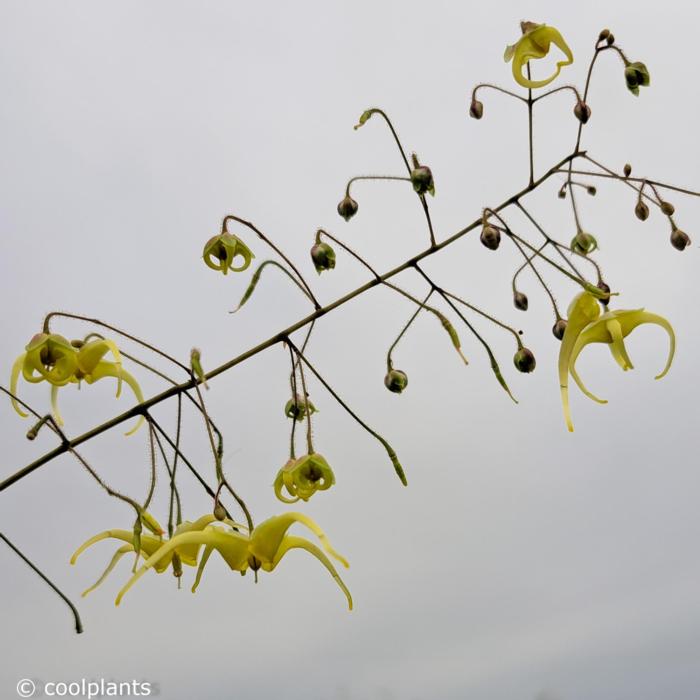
{"points": [[610, 38], [627, 170], [395, 381], [347, 207], [667, 208], [604, 34], [679, 239], [422, 180], [641, 211], [323, 257], [524, 360], [520, 301], [591, 190], [219, 511], [490, 237], [559, 328], [605, 288], [562, 192], [582, 112], [583, 243], [476, 109]]}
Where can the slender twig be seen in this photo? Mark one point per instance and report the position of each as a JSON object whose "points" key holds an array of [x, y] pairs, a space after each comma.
{"points": [[44, 577]]}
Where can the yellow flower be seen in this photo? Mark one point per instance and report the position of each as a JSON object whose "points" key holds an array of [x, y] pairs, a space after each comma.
{"points": [[52, 358], [303, 477], [220, 252], [149, 545], [263, 549], [533, 44], [585, 325]]}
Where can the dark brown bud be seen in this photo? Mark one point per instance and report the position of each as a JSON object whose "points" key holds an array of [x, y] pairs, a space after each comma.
{"points": [[679, 239], [627, 170], [604, 288], [323, 257], [396, 381], [490, 237], [604, 34], [524, 360], [591, 190], [347, 207], [520, 301], [641, 211], [667, 208], [610, 38], [582, 112], [559, 328], [476, 109], [562, 192]]}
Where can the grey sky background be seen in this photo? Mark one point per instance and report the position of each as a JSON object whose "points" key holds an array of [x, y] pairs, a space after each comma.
{"points": [[521, 561]]}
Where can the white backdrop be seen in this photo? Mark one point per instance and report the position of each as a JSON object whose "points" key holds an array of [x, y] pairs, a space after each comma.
{"points": [[521, 561]]}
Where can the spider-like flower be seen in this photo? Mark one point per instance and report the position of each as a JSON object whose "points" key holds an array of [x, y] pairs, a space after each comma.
{"points": [[52, 358], [263, 548], [221, 251], [302, 477], [299, 407], [148, 545], [533, 44], [585, 325]]}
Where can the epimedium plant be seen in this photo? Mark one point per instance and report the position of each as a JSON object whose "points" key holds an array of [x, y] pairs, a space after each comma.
{"points": [[50, 357]]}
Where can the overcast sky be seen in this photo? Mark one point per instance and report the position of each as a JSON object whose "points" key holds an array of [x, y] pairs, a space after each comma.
{"points": [[521, 562]]}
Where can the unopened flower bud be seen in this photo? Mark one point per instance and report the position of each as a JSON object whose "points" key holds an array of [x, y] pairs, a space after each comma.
{"points": [[605, 288], [679, 239], [347, 207], [582, 112], [396, 380], [422, 180], [641, 211], [591, 190], [323, 257], [627, 170], [583, 243], [610, 39], [562, 192], [559, 328], [604, 34], [490, 237], [219, 511], [524, 360], [667, 208], [476, 109], [520, 301]]}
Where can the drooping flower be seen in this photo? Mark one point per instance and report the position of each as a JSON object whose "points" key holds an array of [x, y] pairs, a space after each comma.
{"points": [[148, 545], [298, 408], [52, 358], [533, 44], [302, 477], [636, 76], [263, 549], [586, 325], [221, 251]]}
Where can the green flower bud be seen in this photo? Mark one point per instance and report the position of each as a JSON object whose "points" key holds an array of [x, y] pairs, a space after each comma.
{"points": [[323, 257], [347, 207], [219, 511], [490, 237], [641, 211], [524, 360], [559, 328], [636, 76], [298, 409], [679, 239], [422, 180], [396, 381], [520, 301], [582, 112], [667, 208], [583, 243], [476, 109]]}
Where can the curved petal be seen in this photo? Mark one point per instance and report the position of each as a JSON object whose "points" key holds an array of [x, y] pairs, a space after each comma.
{"points": [[200, 569], [125, 549], [91, 353], [536, 45], [291, 542], [279, 484], [54, 406], [110, 369], [617, 344], [148, 544], [581, 343], [14, 377], [631, 321]]}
